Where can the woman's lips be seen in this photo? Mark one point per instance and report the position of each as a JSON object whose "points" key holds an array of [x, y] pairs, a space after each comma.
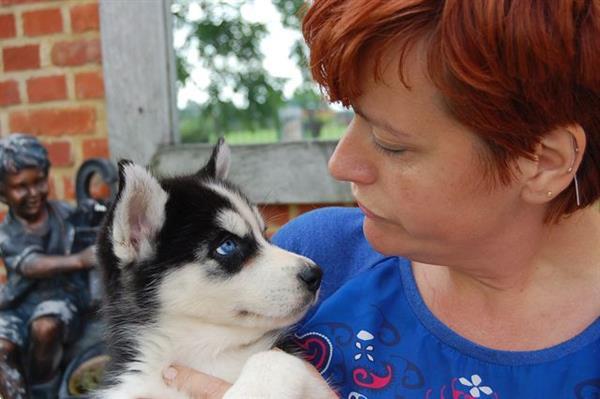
{"points": [[367, 212]]}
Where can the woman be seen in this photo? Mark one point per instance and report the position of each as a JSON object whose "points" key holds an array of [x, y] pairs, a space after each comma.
{"points": [[472, 268]]}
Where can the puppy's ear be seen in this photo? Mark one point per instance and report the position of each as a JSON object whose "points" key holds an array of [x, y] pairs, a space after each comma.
{"points": [[139, 213], [219, 162]]}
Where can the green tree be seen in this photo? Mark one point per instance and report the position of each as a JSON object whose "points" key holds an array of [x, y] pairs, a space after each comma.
{"points": [[229, 49], [307, 95]]}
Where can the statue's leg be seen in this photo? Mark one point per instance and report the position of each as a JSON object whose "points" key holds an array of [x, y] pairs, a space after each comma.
{"points": [[46, 348], [12, 381]]}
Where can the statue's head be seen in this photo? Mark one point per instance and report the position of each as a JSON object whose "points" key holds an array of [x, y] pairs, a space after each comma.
{"points": [[24, 166]]}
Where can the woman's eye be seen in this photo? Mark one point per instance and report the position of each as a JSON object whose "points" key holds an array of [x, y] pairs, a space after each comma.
{"points": [[385, 143], [387, 148], [227, 247]]}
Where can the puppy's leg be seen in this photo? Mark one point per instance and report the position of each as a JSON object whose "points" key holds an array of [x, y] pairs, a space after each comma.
{"points": [[276, 375]]}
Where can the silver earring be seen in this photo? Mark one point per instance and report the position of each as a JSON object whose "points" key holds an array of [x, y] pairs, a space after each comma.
{"points": [[576, 148], [577, 190]]}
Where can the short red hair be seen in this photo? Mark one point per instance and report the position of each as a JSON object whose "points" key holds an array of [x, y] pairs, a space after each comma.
{"points": [[512, 70]]}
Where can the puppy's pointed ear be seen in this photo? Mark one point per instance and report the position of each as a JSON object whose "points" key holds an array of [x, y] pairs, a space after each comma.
{"points": [[139, 213], [219, 162]]}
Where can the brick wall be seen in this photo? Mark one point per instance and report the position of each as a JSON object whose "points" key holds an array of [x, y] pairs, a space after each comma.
{"points": [[51, 82], [278, 215]]}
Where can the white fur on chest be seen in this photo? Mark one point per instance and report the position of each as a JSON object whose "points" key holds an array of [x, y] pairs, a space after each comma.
{"points": [[220, 351]]}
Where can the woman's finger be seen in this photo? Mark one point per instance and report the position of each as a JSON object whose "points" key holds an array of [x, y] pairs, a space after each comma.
{"points": [[194, 383]]}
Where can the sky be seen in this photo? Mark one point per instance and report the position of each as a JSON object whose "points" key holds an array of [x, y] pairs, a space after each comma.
{"points": [[276, 47]]}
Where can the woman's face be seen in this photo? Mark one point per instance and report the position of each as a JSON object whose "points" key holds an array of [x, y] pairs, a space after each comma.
{"points": [[418, 174]]}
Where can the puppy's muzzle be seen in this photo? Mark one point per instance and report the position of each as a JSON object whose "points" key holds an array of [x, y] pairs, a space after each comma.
{"points": [[310, 275]]}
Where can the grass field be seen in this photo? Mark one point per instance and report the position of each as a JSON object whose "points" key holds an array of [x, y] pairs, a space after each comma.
{"points": [[262, 136]]}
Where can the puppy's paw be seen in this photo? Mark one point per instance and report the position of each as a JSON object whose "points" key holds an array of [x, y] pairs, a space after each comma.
{"points": [[275, 375]]}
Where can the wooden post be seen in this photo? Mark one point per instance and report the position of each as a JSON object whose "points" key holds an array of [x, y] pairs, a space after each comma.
{"points": [[139, 77]]}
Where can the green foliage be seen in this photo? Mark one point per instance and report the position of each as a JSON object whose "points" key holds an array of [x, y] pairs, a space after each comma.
{"points": [[229, 48], [306, 96], [332, 130], [292, 12]]}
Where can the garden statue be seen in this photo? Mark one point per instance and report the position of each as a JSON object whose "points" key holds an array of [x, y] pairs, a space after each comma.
{"points": [[47, 289]]}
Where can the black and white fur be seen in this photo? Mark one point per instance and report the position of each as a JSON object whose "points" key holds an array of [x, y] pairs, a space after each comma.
{"points": [[176, 291]]}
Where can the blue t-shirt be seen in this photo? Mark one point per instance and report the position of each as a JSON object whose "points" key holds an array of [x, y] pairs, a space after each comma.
{"points": [[372, 336]]}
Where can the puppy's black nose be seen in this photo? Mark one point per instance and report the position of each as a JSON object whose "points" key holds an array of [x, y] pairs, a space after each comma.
{"points": [[311, 276]]}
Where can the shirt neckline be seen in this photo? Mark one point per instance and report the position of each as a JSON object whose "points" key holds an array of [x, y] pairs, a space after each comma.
{"points": [[470, 348]]}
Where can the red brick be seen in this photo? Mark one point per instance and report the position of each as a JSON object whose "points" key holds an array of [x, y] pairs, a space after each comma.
{"points": [[54, 122], [275, 215], [303, 208], [68, 188], [42, 22], [271, 233], [7, 26], [51, 188], [14, 2], [95, 148], [89, 85], [77, 52], [9, 93], [85, 18], [59, 153], [47, 88], [21, 58]]}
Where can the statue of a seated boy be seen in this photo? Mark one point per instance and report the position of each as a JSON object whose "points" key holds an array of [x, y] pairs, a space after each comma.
{"points": [[46, 289]]}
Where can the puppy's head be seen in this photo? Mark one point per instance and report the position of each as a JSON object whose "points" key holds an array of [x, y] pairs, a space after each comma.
{"points": [[194, 246]]}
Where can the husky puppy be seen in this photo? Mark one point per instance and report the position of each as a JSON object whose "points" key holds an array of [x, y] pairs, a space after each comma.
{"points": [[191, 279]]}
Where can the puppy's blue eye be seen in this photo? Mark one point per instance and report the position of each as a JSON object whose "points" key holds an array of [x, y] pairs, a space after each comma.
{"points": [[227, 248]]}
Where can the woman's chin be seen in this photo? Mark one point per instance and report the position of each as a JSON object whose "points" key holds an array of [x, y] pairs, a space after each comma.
{"points": [[389, 239], [379, 237]]}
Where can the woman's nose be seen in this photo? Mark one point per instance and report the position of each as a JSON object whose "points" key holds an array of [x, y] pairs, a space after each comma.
{"points": [[351, 160]]}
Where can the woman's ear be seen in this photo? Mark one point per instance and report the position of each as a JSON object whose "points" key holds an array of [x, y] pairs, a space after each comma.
{"points": [[556, 160]]}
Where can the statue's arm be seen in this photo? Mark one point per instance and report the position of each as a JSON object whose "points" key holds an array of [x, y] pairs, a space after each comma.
{"points": [[38, 265]]}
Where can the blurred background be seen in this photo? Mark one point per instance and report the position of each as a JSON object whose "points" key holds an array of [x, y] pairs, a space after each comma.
{"points": [[158, 81], [242, 72]]}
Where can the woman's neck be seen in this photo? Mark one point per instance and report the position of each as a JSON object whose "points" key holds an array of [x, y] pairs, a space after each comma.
{"points": [[518, 294]]}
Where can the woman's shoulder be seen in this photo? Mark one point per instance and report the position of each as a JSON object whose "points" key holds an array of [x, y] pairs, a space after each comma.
{"points": [[324, 219], [325, 232], [334, 239]]}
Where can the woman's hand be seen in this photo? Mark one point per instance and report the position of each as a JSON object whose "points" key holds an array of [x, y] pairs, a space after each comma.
{"points": [[195, 384]]}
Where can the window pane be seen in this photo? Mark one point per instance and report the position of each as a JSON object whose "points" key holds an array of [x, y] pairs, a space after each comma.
{"points": [[242, 73]]}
